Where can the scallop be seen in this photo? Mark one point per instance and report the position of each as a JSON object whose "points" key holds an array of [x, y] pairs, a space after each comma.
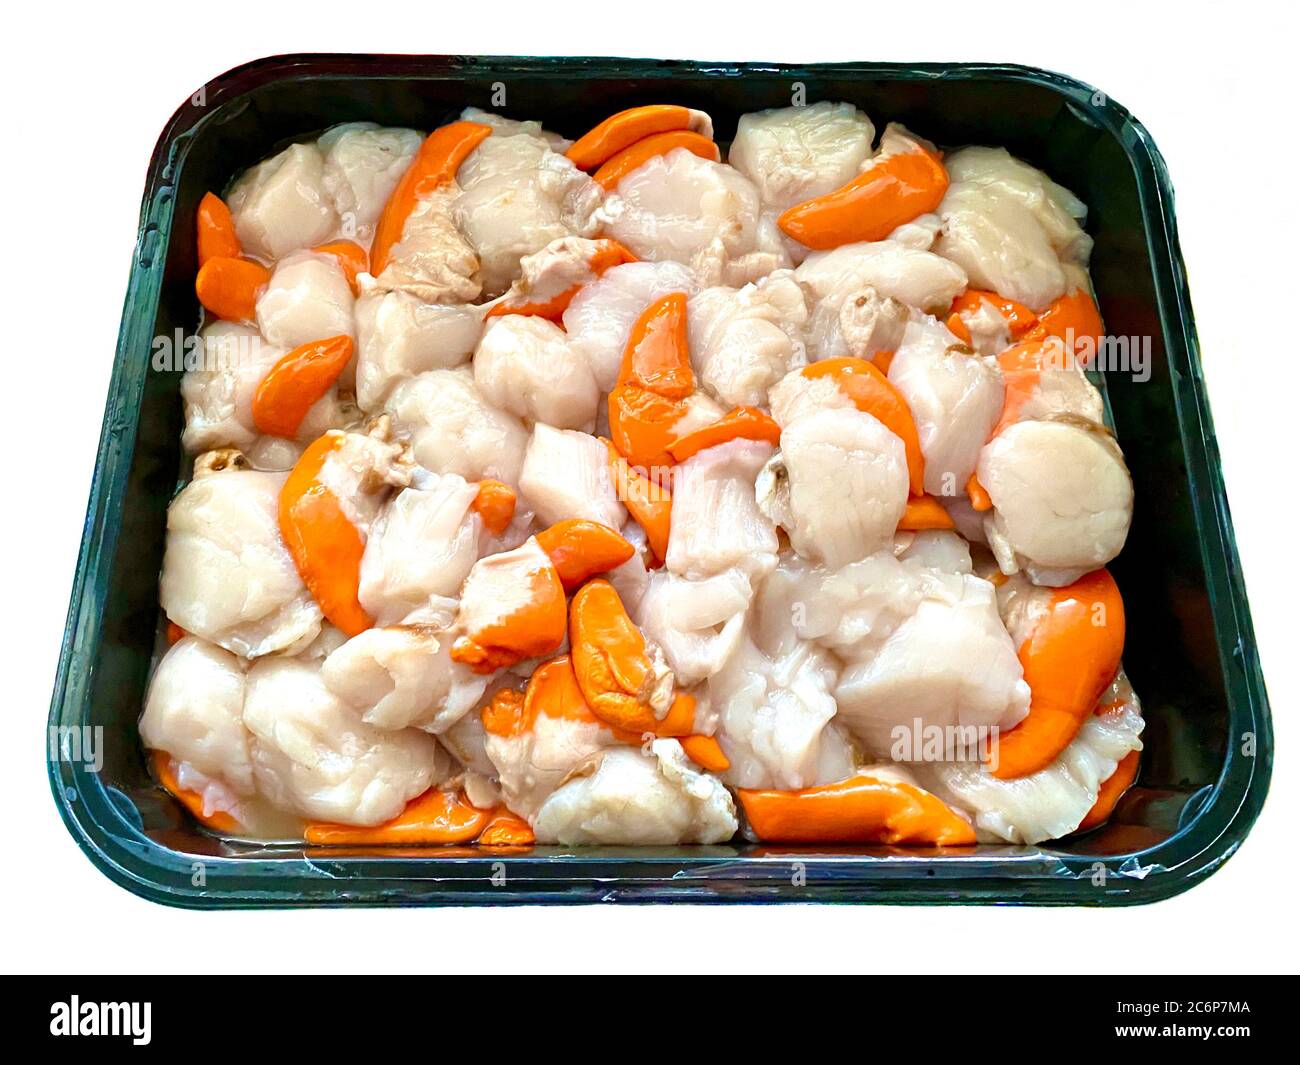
{"points": [[1057, 210], [227, 576], [218, 391], [871, 324], [955, 398], [717, 524], [566, 474], [499, 586], [313, 755], [402, 676], [838, 486], [194, 710], [888, 269], [526, 365], [1010, 227], [218, 388], [511, 127], [433, 261], [363, 164], [282, 204], [623, 796], [532, 764], [937, 549], [400, 337], [518, 195], [850, 610], [793, 154], [421, 546], [678, 206], [776, 722], [1062, 499], [949, 664], [1058, 387], [454, 429], [632, 578], [796, 395], [745, 340], [308, 298], [698, 624]]}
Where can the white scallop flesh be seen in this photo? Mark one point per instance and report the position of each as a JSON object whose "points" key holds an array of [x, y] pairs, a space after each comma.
{"points": [[1009, 227], [1000, 246], [227, 576], [307, 299], [329, 640], [838, 486], [1062, 499], [517, 195], [744, 340], [950, 664], [632, 578], [695, 211], [955, 398], [511, 127], [282, 204], [363, 164], [422, 545], [453, 429], [776, 721], [219, 384], [525, 365], [1047, 804], [871, 323], [433, 261], [717, 524], [466, 739], [600, 318], [937, 549], [794, 154], [630, 798], [1059, 211], [697, 623], [276, 453], [851, 610], [194, 710], [402, 676], [919, 279], [920, 233], [796, 395], [566, 474], [314, 756], [400, 337]]}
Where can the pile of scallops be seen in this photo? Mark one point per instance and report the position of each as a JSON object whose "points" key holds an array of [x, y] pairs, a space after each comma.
{"points": [[607, 492]]}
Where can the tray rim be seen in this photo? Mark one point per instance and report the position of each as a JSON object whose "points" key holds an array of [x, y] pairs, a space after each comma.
{"points": [[555, 875]]}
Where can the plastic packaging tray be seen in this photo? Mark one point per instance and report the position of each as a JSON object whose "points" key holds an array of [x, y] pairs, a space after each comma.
{"points": [[1190, 651]]}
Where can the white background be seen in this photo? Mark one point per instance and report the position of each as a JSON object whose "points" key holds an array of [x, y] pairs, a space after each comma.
{"points": [[86, 92]]}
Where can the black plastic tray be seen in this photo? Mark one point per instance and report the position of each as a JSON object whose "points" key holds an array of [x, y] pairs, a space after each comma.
{"points": [[1191, 653]]}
